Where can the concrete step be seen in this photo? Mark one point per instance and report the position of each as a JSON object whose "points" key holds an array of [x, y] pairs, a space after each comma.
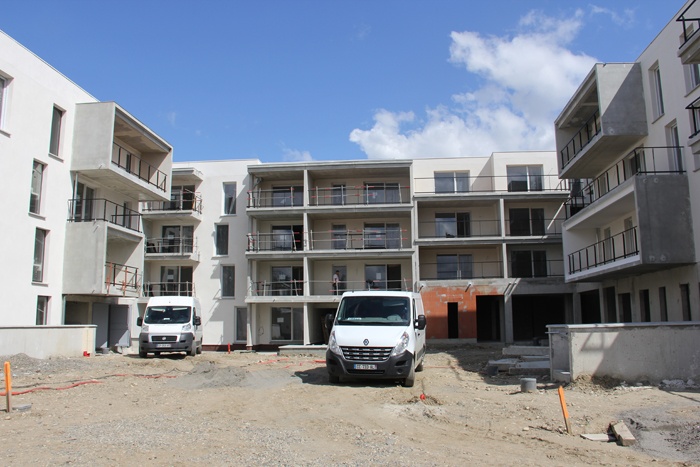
{"points": [[530, 368], [520, 350]]}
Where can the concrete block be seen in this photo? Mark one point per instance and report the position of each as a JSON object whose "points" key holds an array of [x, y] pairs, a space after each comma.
{"points": [[520, 350], [601, 437], [503, 364], [561, 375], [623, 434]]}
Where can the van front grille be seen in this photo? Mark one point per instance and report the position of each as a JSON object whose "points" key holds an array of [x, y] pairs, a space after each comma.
{"points": [[366, 354], [163, 338]]}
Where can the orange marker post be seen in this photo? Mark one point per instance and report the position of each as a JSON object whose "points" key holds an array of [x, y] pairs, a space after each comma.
{"points": [[8, 387], [562, 401]]}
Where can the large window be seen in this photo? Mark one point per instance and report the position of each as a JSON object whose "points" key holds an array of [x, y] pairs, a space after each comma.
{"points": [[382, 193], [525, 222], [241, 324], [454, 267], [221, 246], [177, 239], [287, 237], [288, 196], [230, 198], [451, 182], [451, 225], [338, 194], [383, 277], [37, 182], [657, 98], [39, 251], [42, 306], [382, 236], [692, 76], [287, 280], [174, 280], [528, 263], [525, 177], [54, 144], [287, 324], [182, 198], [228, 283]]}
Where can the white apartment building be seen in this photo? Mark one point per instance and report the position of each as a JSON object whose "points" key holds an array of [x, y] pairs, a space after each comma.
{"points": [[631, 240]]}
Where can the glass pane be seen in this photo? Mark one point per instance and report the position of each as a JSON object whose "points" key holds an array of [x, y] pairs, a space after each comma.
{"points": [[521, 263], [447, 267], [466, 267], [375, 277], [444, 182], [393, 236], [241, 324], [282, 280], [517, 178], [462, 182], [463, 224], [392, 194], [227, 281], [519, 222], [445, 225], [375, 236], [229, 198], [338, 195], [281, 323], [537, 221], [282, 238], [539, 263], [536, 179]]}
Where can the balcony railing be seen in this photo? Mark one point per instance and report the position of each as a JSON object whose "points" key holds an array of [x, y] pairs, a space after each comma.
{"points": [[121, 278], [170, 246], [584, 136], [456, 270], [281, 242], [495, 184], [535, 268], [360, 195], [525, 227], [643, 160], [161, 289], [137, 167], [694, 23], [365, 239], [98, 209], [295, 288], [617, 247], [187, 201]]}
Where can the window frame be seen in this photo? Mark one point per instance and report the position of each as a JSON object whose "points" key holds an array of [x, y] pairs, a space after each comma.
{"points": [[531, 178], [4, 98], [459, 181], [229, 204], [221, 239], [56, 132], [657, 97], [39, 268], [36, 192], [228, 288], [42, 309]]}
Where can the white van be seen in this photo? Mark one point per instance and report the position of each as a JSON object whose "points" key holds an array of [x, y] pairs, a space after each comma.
{"points": [[377, 334], [171, 324]]}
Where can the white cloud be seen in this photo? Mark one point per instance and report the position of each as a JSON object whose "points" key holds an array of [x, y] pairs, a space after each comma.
{"points": [[525, 80], [625, 19], [294, 155]]}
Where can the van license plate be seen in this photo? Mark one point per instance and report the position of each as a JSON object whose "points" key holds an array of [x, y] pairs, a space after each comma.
{"points": [[365, 366], [163, 346]]}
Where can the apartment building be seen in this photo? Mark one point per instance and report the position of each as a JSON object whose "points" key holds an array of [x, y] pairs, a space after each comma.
{"points": [[480, 238], [632, 131]]}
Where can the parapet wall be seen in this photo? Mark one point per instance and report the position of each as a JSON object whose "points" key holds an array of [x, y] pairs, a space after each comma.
{"points": [[630, 352], [47, 341]]}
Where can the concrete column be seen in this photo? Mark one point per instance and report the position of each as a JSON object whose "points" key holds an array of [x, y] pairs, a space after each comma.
{"points": [[251, 328], [508, 318]]}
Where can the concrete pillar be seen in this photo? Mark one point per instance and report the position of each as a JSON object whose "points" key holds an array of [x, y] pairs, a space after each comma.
{"points": [[508, 318], [251, 333]]}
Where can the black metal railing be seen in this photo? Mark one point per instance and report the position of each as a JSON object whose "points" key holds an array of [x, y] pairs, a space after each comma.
{"points": [[99, 209], [360, 195], [617, 247], [584, 136], [693, 21], [134, 165], [186, 201], [121, 277]]}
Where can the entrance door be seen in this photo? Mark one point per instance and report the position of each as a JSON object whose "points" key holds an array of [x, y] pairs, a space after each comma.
{"points": [[590, 307], [488, 318], [119, 326], [453, 320]]}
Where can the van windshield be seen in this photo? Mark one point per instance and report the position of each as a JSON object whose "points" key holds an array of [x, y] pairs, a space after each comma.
{"points": [[167, 315], [374, 311]]}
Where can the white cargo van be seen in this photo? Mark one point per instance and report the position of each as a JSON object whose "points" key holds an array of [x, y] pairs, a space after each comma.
{"points": [[377, 334], [171, 324]]}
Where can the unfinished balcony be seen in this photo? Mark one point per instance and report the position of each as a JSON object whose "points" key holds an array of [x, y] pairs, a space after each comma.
{"points": [[184, 205], [116, 151], [180, 249], [689, 51], [605, 117]]}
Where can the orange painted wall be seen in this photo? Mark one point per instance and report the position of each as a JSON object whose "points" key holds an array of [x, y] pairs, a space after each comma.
{"points": [[435, 300]]}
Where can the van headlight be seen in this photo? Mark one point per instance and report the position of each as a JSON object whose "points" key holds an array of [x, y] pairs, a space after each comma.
{"points": [[144, 328], [187, 327], [333, 345], [401, 345]]}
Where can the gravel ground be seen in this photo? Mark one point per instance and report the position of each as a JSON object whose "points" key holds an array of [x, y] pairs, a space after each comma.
{"points": [[263, 409]]}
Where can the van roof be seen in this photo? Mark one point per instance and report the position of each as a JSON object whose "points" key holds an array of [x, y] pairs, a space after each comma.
{"points": [[173, 300], [379, 293]]}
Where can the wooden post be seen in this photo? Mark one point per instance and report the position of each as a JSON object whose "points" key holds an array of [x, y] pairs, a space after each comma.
{"points": [[8, 387], [562, 401]]}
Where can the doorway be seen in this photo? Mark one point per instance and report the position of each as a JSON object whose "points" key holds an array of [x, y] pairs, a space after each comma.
{"points": [[590, 307], [488, 318], [453, 320]]}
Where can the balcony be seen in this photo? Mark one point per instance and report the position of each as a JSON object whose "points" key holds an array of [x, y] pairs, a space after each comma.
{"points": [[172, 248], [429, 187], [295, 288], [605, 116], [615, 248], [460, 270], [161, 289], [451, 232], [364, 195], [363, 239], [98, 209], [642, 160], [181, 206], [689, 51], [121, 279], [113, 149]]}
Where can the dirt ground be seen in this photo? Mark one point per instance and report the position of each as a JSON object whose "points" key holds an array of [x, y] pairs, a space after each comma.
{"points": [[264, 409]]}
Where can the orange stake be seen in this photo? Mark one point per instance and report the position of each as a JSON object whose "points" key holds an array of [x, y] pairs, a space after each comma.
{"points": [[229, 347], [8, 387], [562, 401]]}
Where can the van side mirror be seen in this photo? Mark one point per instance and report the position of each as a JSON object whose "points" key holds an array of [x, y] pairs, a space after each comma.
{"points": [[420, 322], [197, 321], [139, 321]]}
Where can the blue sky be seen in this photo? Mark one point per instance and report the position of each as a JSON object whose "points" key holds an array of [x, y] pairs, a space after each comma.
{"points": [[287, 80]]}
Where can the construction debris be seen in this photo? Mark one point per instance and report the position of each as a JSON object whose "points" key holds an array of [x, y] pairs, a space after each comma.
{"points": [[622, 434]]}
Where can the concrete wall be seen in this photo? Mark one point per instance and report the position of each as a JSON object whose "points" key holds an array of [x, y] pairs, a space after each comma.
{"points": [[630, 352], [47, 341]]}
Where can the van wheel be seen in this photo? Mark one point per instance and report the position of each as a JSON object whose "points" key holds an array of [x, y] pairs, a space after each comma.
{"points": [[199, 349], [143, 353], [411, 378], [333, 379], [193, 349]]}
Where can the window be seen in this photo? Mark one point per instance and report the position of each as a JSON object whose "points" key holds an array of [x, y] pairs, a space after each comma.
{"points": [[657, 98], [37, 182], [42, 306], [525, 222], [692, 76], [644, 306], [54, 144], [675, 154], [685, 302], [382, 193], [454, 266], [230, 198], [383, 277], [451, 225], [176, 239], [287, 280], [39, 247], [525, 177], [287, 196], [287, 324], [182, 198], [3, 98], [83, 203], [241, 324], [451, 182], [227, 281], [340, 237], [629, 238], [174, 280], [338, 194], [528, 263], [382, 236], [663, 310], [287, 237], [221, 246]]}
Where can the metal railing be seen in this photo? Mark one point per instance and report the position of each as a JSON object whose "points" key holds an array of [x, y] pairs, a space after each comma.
{"points": [[694, 108], [188, 201], [496, 184], [291, 241], [695, 22], [295, 288], [99, 209], [121, 277], [161, 289], [291, 197], [360, 195], [176, 245], [134, 165], [642, 160], [614, 248], [361, 239], [456, 270], [584, 136], [531, 226]]}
